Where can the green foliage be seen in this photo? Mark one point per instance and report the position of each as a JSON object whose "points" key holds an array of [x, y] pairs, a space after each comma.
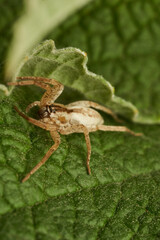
{"points": [[68, 66], [120, 200], [121, 39]]}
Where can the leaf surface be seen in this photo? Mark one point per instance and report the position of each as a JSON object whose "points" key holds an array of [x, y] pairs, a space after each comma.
{"points": [[121, 39], [68, 66], [120, 200]]}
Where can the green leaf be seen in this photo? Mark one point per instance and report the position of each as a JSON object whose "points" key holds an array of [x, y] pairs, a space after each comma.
{"points": [[39, 18], [120, 200], [121, 39], [68, 66]]}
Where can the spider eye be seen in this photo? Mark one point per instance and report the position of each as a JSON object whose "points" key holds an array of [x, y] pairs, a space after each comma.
{"points": [[52, 109]]}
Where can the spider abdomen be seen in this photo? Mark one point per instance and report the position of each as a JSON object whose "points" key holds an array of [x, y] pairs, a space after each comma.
{"points": [[85, 116]]}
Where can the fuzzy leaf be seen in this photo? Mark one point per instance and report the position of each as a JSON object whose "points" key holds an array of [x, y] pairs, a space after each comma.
{"points": [[68, 66], [120, 200], [121, 39]]}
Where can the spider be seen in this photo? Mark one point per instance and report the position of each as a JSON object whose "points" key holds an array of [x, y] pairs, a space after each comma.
{"points": [[76, 117]]}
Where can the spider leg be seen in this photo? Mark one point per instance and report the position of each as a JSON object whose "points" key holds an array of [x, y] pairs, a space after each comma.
{"points": [[56, 138], [88, 143], [36, 122], [51, 94], [117, 129], [36, 103], [96, 106], [81, 129]]}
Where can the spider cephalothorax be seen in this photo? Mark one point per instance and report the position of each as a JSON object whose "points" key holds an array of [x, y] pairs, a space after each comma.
{"points": [[57, 118], [45, 111]]}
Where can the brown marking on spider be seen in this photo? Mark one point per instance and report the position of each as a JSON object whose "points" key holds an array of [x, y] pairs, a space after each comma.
{"points": [[76, 117], [62, 119]]}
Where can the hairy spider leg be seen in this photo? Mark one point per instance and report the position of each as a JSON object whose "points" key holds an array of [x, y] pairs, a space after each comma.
{"points": [[117, 129], [88, 143], [96, 106], [38, 123], [51, 94], [54, 135], [56, 138], [36, 103]]}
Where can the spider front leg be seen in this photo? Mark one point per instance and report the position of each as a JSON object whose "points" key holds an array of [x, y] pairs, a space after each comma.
{"points": [[56, 139], [35, 122], [51, 94], [31, 105], [54, 135]]}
